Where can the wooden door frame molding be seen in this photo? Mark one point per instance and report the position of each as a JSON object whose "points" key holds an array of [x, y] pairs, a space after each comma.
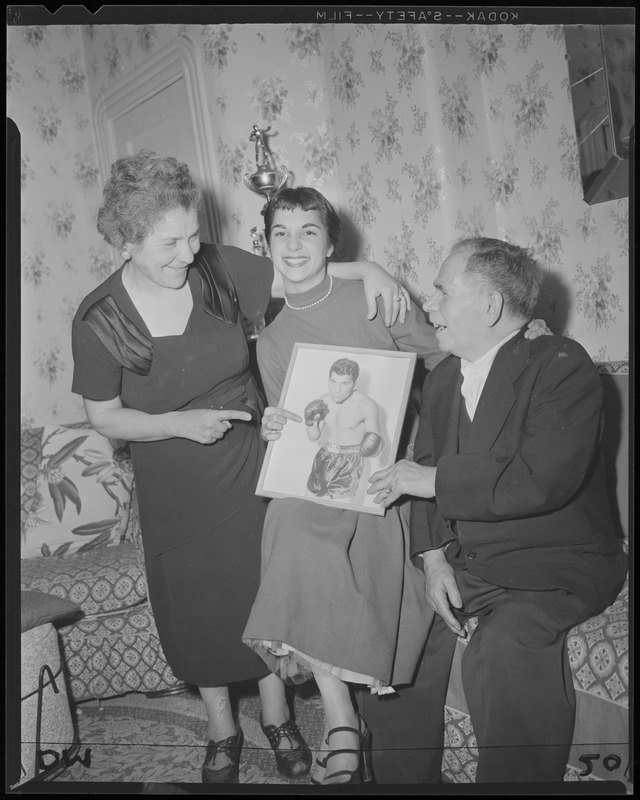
{"points": [[175, 61]]}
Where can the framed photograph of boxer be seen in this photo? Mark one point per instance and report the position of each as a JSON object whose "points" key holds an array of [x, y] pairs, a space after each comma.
{"points": [[352, 404]]}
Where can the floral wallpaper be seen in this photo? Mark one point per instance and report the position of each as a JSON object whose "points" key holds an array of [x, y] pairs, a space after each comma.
{"points": [[61, 256], [418, 134]]}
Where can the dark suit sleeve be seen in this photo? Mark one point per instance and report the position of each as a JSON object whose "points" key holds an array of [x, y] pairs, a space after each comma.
{"points": [[428, 529], [540, 464]]}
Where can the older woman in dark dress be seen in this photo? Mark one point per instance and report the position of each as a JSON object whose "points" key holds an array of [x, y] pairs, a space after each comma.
{"points": [[161, 360]]}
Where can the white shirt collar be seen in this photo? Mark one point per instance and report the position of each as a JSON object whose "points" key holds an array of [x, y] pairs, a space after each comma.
{"points": [[475, 374]]}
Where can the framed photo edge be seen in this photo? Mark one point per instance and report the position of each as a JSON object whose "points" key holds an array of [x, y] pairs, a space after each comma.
{"points": [[409, 356]]}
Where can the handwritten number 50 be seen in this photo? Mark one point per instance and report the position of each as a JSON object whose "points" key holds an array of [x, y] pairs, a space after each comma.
{"points": [[611, 763]]}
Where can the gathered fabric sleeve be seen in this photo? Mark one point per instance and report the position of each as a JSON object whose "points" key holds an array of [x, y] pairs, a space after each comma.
{"points": [[417, 336], [97, 375], [272, 371], [252, 276]]}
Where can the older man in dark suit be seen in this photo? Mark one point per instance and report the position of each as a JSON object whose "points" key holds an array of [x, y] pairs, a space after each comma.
{"points": [[515, 527]]}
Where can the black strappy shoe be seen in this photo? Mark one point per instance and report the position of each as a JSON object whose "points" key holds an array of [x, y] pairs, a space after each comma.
{"points": [[293, 762], [230, 747], [363, 773], [320, 766]]}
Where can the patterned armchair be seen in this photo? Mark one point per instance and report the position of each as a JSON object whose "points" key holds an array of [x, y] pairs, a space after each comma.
{"points": [[81, 541], [598, 648]]}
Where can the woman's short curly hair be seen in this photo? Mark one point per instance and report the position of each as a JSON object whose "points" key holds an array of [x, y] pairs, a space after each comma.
{"points": [[142, 189]]}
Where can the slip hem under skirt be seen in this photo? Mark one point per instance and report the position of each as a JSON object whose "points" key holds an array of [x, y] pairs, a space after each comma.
{"points": [[295, 668]]}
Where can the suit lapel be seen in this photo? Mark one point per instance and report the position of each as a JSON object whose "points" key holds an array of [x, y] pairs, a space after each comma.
{"points": [[445, 411], [498, 395]]}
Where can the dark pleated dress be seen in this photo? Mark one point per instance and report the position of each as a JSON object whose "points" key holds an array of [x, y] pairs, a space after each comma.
{"points": [[200, 518]]}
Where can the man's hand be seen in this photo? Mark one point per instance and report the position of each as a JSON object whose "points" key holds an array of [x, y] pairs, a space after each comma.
{"points": [[442, 589], [273, 421], [403, 477], [537, 327]]}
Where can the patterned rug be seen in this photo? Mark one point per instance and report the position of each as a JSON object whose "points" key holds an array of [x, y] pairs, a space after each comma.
{"points": [[162, 740], [159, 743]]}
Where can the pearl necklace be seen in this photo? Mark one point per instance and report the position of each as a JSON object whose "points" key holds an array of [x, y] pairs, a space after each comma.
{"points": [[315, 303]]}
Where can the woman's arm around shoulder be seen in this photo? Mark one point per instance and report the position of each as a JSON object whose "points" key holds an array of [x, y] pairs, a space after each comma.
{"points": [[377, 283]]}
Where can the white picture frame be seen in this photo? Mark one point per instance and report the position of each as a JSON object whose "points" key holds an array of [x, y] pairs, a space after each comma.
{"points": [[338, 476]]}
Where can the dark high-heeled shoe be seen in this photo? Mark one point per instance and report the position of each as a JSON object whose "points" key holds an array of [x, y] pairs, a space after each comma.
{"points": [[363, 773], [231, 748], [292, 762]]}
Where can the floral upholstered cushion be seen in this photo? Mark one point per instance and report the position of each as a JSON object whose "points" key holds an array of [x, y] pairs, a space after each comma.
{"points": [[102, 580], [76, 491], [30, 460], [599, 652], [115, 654]]}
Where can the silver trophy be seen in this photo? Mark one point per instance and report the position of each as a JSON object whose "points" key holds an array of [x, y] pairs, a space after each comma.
{"points": [[266, 179]]}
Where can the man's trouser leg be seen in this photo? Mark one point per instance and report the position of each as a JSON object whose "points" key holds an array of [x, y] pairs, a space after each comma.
{"points": [[517, 681], [408, 727]]}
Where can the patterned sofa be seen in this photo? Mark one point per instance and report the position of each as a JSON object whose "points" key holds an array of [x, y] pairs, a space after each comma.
{"points": [[598, 649], [80, 540]]}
